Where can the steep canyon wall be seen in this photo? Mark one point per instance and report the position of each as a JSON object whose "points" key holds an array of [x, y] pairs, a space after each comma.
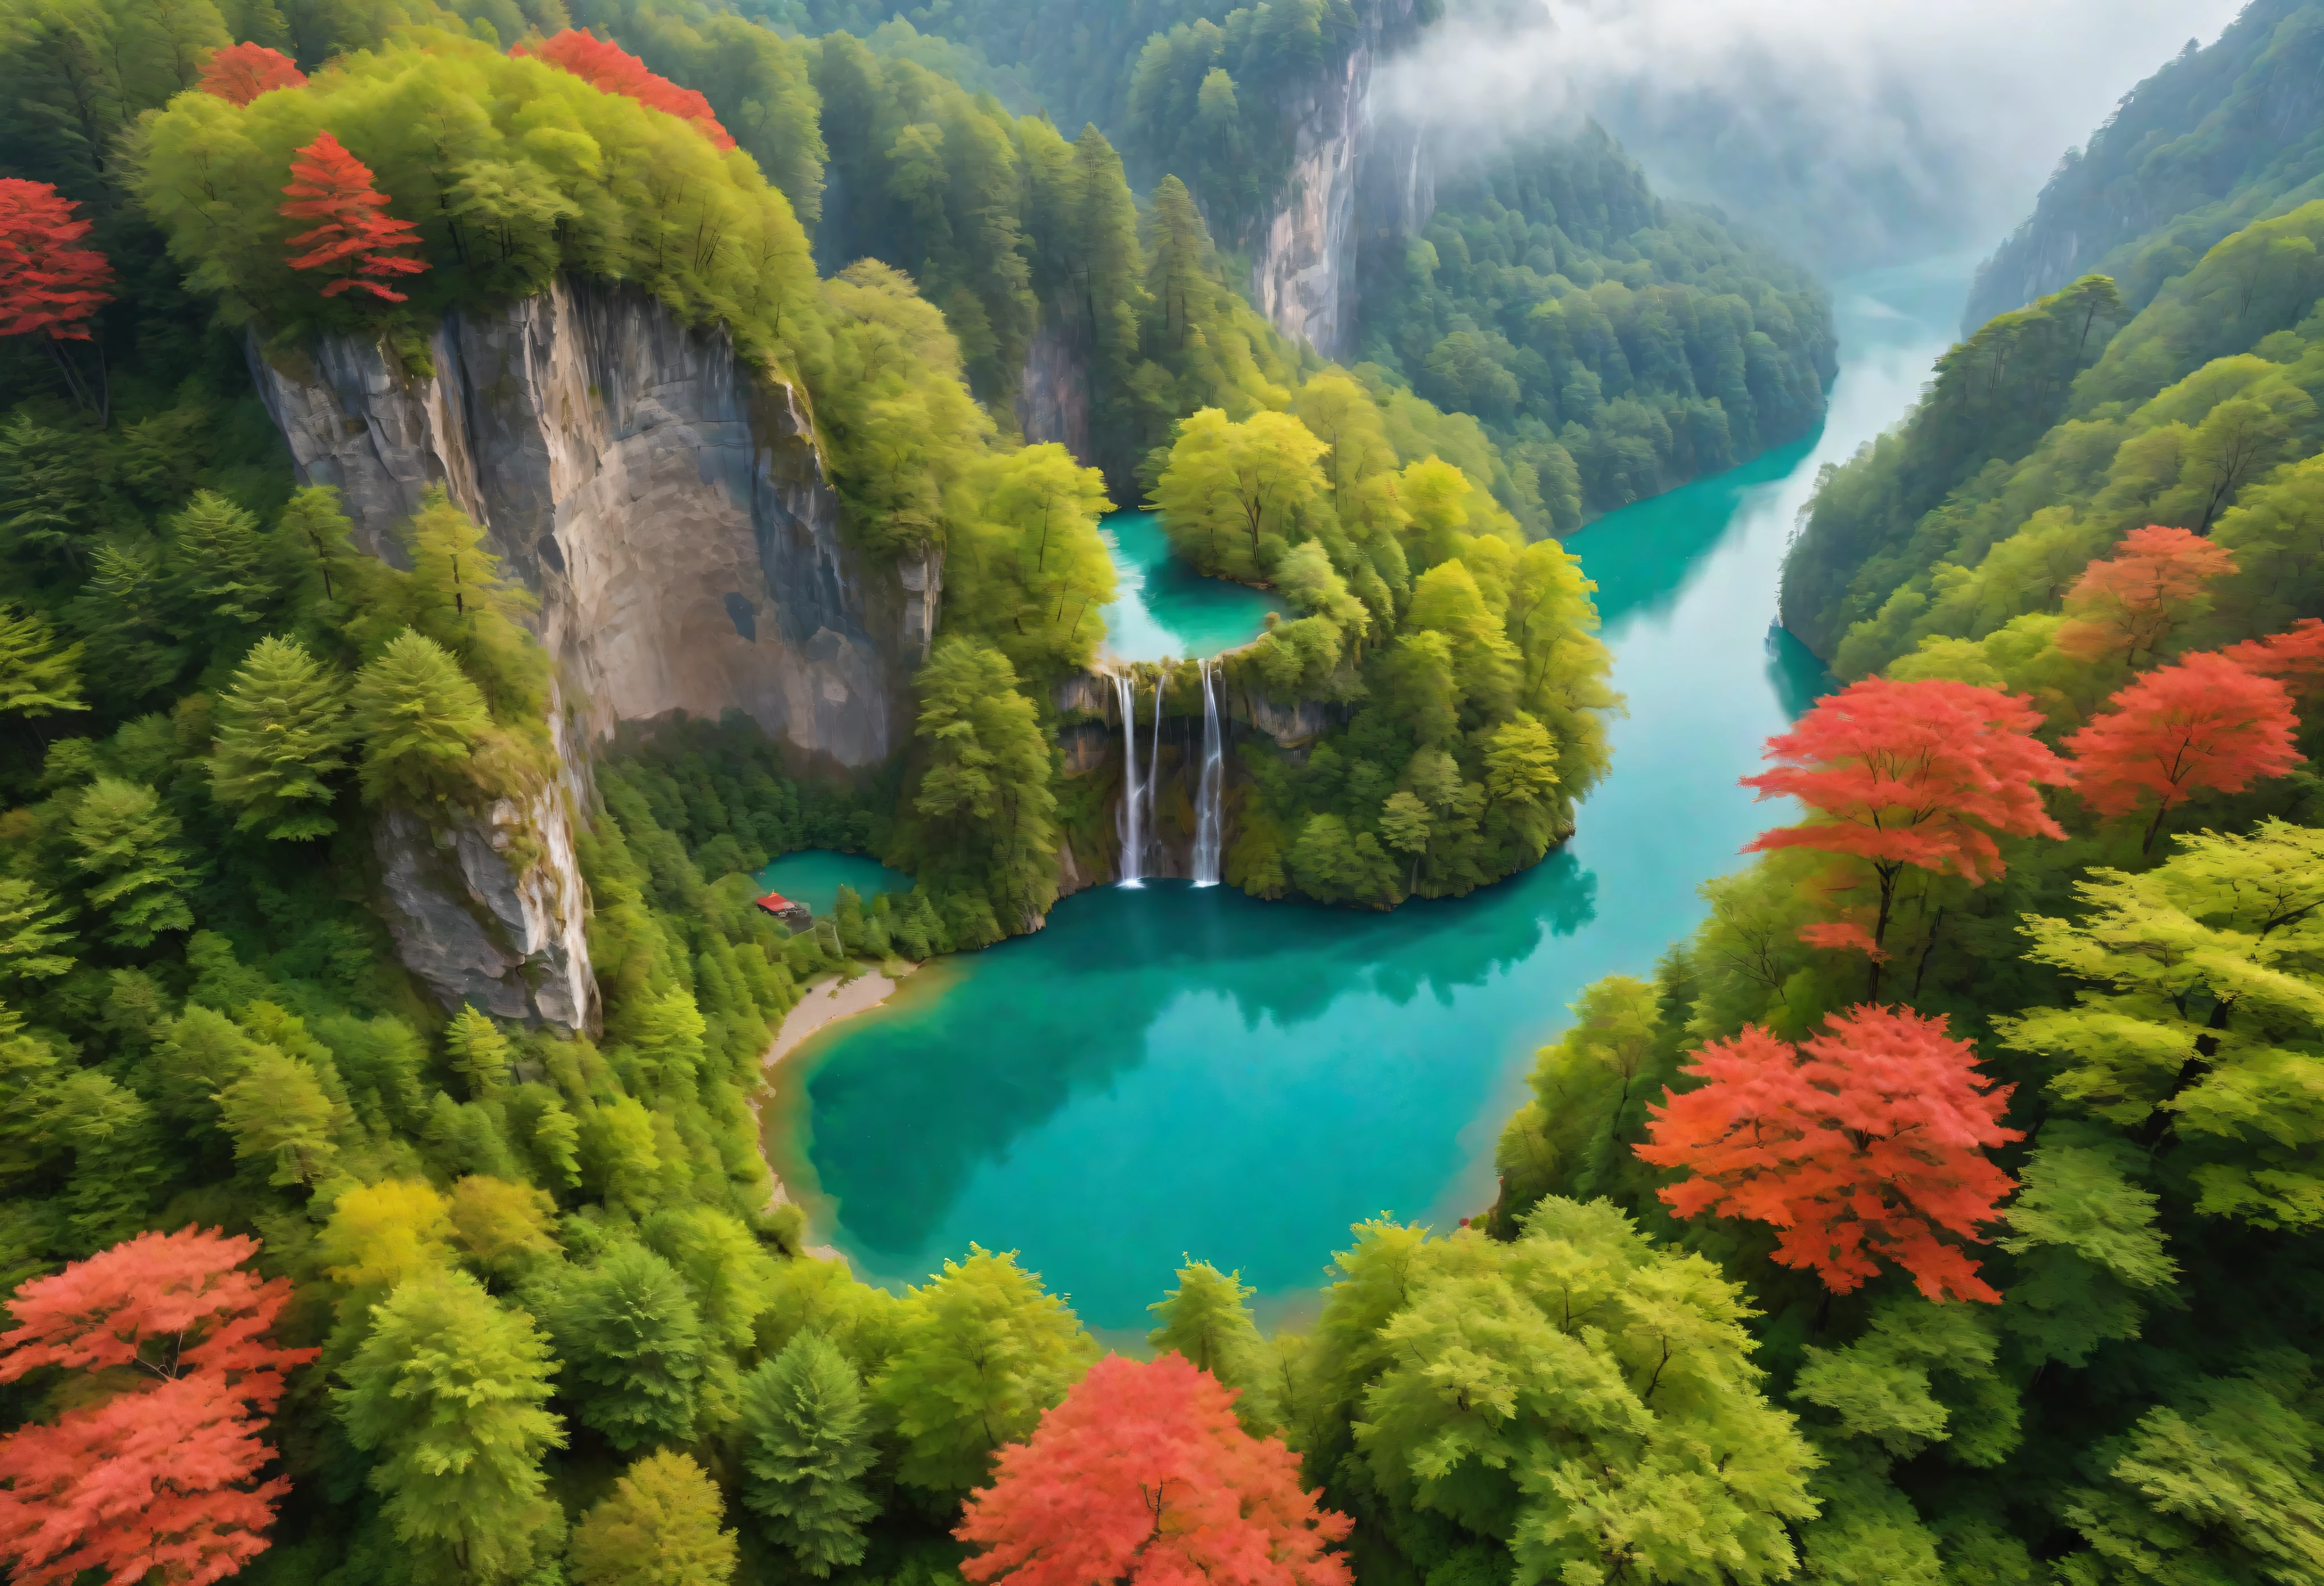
{"points": [[1354, 172], [669, 510]]}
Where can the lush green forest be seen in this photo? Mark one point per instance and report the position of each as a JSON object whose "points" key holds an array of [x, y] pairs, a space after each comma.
{"points": [[2045, 438], [1614, 345], [531, 1309], [1477, 690], [2177, 387], [2218, 138], [1199, 88], [1942, 1210]]}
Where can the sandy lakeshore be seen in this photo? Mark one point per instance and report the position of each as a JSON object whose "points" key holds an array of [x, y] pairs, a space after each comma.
{"points": [[825, 1003]]}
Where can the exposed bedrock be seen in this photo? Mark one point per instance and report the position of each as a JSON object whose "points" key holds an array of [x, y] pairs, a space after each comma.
{"points": [[1353, 171], [669, 509], [1052, 402]]}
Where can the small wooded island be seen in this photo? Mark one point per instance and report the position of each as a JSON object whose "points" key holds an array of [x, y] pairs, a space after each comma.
{"points": [[480, 479]]}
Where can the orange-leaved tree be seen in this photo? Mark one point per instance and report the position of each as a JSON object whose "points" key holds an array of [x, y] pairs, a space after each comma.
{"points": [[2129, 603], [2202, 724], [2296, 656], [239, 73], [153, 1474], [607, 66], [1926, 774], [49, 286], [356, 237], [1142, 1476], [1862, 1145]]}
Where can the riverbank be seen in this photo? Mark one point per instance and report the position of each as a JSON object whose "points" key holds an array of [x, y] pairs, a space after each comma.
{"points": [[823, 1004], [828, 1001]]}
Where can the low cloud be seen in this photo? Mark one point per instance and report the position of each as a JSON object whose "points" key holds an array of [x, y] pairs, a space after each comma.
{"points": [[1863, 130]]}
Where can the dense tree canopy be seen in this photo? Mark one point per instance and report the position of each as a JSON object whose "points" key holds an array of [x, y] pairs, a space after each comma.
{"points": [[565, 1329], [1613, 344]]}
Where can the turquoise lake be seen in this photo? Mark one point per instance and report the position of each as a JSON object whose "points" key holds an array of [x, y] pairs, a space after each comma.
{"points": [[814, 876], [1168, 1071], [1163, 607]]}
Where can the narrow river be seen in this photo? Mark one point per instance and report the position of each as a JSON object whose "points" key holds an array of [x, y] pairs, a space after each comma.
{"points": [[1165, 1072]]}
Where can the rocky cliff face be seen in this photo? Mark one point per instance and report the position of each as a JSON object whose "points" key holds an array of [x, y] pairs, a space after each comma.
{"points": [[669, 510], [1053, 399], [1350, 172]]}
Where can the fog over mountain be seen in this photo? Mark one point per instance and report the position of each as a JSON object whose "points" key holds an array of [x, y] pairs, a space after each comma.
{"points": [[1860, 131]]}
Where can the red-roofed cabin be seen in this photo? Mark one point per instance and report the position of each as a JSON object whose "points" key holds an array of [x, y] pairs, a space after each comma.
{"points": [[796, 916]]}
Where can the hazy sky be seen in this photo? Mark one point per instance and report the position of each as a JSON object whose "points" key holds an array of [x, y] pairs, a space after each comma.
{"points": [[1854, 118]]}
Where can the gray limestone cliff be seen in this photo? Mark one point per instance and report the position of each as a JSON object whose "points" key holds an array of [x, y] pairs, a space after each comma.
{"points": [[669, 509], [1352, 173], [1053, 400]]}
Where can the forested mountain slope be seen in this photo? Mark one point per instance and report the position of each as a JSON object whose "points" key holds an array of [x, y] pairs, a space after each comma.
{"points": [[1614, 345], [2081, 577], [2016, 470], [2163, 395], [2220, 137]]}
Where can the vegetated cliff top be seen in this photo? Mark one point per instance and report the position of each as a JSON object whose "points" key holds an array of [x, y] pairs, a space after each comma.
{"points": [[2219, 137]]}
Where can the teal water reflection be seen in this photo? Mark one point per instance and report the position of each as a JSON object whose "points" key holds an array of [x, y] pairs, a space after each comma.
{"points": [[814, 875], [1168, 1072], [1164, 607]]}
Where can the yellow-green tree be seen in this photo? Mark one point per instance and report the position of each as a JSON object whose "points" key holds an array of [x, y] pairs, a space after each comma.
{"points": [[981, 1352], [2201, 1013], [449, 1394], [1235, 496], [282, 729], [658, 1527], [421, 722], [983, 813]]}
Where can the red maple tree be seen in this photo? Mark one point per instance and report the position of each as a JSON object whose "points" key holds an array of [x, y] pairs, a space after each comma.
{"points": [[46, 284], [2201, 723], [2295, 655], [159, 1476], [356, 235], [606, 65], [1923, 774], [2129, 603], [239, 73], [1860, 1145], [1141, 1477]]}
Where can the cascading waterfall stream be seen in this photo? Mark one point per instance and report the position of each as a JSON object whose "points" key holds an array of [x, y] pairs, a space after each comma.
{"points": [[1154, 763], [1210, 787], [1129, 823]]}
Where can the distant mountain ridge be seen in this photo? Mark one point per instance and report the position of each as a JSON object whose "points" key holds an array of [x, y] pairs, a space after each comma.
{"points": [[2217, 138]]}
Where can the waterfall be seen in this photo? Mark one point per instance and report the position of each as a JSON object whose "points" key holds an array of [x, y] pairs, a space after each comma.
{"points": [[1209, 788], [1130, 822], [1154, 762]]}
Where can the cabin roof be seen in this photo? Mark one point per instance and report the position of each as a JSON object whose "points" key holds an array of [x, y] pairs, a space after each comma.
{"points": [[776, 903]]}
